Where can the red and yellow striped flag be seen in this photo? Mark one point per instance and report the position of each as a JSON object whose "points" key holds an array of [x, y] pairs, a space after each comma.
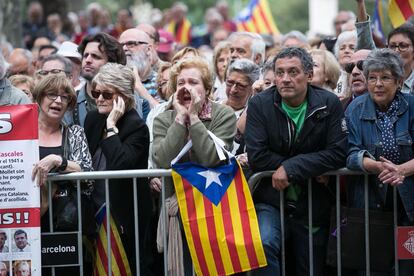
{"points": [[119, 260], [182, 32], [257, 18], [399, 11], [219, 218]]}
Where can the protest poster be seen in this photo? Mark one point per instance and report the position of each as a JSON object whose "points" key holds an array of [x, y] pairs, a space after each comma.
{"points": [[19, 195]]}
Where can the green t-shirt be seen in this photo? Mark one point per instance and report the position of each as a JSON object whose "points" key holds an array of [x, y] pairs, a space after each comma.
{"points": [[297, 115]]}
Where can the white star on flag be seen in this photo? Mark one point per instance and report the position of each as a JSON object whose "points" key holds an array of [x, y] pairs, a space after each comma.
{"points": [[211, 176]]}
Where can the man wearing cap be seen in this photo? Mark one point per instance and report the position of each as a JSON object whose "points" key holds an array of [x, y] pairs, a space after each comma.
{"points": [[70, 50], [166, 47]]}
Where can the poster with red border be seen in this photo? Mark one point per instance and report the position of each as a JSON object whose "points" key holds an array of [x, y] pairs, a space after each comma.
{"points": [[19, 195]]}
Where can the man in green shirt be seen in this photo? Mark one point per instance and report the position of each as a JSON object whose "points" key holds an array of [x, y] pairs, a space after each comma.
{"points": [[298, 131]]}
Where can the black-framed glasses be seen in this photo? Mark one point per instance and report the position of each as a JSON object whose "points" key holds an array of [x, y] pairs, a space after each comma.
{"points": [[349, 67], [53, 71], [133, 43], [402, 47], [239, 85], [53, 96], [105, 94]]}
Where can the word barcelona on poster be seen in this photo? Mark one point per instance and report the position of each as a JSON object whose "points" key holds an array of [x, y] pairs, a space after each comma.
{"points": [[19, 195]]}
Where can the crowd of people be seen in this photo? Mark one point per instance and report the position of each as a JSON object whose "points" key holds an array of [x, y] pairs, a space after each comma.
{"points": [[124, 96]]}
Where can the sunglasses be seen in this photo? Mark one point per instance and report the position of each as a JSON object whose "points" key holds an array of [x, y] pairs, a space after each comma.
{"points": [[106, 95], [350, 66]]}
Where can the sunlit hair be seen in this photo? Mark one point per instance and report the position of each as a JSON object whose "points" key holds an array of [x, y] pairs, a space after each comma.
{"points": [[258, 45], [184, 52], [161, 68], [221, 47], [330, 67], [119, 78], [196, 62], [383, 60], [54, 83], [22, 79], [342, 38], [245, 67]]}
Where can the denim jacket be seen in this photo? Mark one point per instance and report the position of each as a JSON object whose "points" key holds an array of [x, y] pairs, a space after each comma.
{"points": [[363, 139]]}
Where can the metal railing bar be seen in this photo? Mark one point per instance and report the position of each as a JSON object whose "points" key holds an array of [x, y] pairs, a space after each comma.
{"points": [[110, 174], [164, 226], [338, 226], [310, 227], [282, 231], [80, 248], [394, 195], [367, 253], [108, 227], [136, 226]]}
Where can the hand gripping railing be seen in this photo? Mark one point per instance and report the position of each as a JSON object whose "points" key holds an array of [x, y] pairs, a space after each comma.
{"points": [[254, 182]]}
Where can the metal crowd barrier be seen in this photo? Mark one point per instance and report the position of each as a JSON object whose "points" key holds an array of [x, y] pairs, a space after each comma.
{"points": [[253, 181]]}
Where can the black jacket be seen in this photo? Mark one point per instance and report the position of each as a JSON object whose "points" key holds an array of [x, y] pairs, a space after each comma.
{"points": [[320, 147], [126, 151]]}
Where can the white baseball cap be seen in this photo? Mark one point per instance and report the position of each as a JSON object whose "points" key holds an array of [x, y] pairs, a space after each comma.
{"points": [[70, 50]]}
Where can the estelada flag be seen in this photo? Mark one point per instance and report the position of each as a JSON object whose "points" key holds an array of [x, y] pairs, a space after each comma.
{"points": [[219, 218], [257, 18], [399, 11]]}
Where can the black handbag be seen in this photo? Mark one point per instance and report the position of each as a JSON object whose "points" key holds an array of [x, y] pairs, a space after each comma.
{"points": [[65, 202], [381, 239]]}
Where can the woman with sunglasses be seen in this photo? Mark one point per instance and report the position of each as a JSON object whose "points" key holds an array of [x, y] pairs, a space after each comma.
{"points": [[118, 140], [381, 135]]}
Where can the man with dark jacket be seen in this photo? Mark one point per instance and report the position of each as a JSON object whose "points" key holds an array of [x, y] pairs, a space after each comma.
{"points": [[299, 131]]}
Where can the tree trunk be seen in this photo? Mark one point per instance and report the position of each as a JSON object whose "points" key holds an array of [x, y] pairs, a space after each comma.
{"points": [[11, 22]]}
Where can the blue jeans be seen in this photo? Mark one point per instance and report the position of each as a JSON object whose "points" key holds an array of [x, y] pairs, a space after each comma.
{"points": [[297, 235]]}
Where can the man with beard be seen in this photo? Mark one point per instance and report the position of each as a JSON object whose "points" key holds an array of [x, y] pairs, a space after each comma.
{"points": [[138, 51], [357, 81], [96, 50]]}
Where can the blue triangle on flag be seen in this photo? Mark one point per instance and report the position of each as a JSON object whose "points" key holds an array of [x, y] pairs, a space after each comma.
{"points": [[211, 182]]}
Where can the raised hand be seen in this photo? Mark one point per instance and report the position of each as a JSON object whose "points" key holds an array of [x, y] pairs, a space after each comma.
{"points": [[116, 113]]}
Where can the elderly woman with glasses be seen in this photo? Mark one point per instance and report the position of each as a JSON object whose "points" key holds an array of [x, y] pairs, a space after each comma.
{"points": [[381, 135], [118, 140]]}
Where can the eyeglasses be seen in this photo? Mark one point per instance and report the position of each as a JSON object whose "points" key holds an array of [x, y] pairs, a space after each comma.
{"points": [[349, 67], [106, 95], [133, 43], [402, 47], [53, 96], [53, 71], [239, 85], [385, 79]]}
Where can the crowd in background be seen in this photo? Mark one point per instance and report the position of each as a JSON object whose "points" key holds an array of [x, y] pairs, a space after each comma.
{"points": [[121, 95]]}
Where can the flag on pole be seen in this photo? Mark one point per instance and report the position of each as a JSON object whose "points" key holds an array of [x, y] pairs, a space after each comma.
{"points": [[399, 11], [257, 18], [119, 260], [378, 20], [219, 218]]}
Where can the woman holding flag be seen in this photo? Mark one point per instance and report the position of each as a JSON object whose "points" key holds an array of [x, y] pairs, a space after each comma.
{"points": [[190, 116]]}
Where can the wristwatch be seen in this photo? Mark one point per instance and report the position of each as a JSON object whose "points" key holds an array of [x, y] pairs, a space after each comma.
{"points": [[112, 129]]}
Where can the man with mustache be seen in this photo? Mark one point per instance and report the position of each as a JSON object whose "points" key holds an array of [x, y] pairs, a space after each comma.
{"points": [[357, 82]]}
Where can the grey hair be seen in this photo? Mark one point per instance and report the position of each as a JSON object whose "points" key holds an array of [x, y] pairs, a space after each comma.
{"points": [[67, 64], [304, 57], [295, 34], [4, 66], [342, 38], [119, 77], [246, 67], [384, 59], [267, 66], [258, 45]]}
